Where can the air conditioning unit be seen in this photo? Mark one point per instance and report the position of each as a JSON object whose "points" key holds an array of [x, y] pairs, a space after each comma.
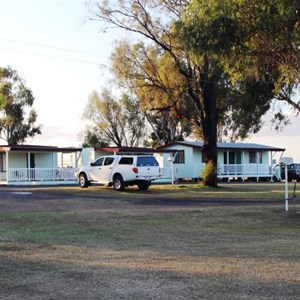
{"points": [[286, 160]]}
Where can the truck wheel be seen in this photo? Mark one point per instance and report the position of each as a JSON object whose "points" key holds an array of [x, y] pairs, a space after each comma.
{"points": [[83, 182], [118, 183], [143, 186]]}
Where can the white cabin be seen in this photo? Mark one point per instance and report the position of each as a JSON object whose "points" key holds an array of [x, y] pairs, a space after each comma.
{"points": [[235, 160], [37, 165]]}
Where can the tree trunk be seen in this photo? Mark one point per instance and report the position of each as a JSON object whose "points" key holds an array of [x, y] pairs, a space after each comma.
{"points": [[209, 123], [210, 133]]}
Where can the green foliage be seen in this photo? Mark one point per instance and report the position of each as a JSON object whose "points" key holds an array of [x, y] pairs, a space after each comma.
{"points": [[166, 127], [241, 109], [113, 122], [158, 87], [134, 120], [17, 118], [209, 172], [92, 140], [254, 45]]}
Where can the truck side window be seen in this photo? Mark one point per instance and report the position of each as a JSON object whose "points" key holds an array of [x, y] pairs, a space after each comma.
{"points": [[126, 161], [108, 161], [98, 162]]}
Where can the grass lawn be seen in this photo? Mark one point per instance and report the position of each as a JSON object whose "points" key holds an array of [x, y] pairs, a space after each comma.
{"points": [[95, 243]]}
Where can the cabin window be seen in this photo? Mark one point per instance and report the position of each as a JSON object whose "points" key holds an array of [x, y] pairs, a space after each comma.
{"points": [[232, 157], [255, 157], [179, 158]]}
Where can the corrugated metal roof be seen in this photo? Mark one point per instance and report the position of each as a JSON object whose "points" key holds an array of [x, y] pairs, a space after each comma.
{"points": [[227, 146], [129, 150], [197, 144], [38, 148]]}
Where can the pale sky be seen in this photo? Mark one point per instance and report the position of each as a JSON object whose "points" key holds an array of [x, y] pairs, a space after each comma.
{"points": [[62, 58], [60, 55]]}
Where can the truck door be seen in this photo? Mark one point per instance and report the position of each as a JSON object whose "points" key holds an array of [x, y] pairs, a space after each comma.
{"points": [[101, 169], [106, 169], [95, 169]]}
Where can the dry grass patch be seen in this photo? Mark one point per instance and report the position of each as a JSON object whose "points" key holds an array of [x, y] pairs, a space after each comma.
{"points": [[116, 248], [252, 269]]}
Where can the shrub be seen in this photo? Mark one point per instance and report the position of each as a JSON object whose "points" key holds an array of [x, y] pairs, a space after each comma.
{"points": [[208, 174]]}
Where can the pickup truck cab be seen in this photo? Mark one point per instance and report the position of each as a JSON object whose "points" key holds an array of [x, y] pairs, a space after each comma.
{"points": [[120, 171], [293, 172]]}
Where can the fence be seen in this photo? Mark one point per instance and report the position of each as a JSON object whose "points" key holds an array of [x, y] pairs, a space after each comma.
{"points": [[40, 174], [224, 171], [244, 170], [68, 174]]}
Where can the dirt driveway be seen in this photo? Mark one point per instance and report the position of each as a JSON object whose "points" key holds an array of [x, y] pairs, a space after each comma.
{"points": [[51, 198], [55, 198]]}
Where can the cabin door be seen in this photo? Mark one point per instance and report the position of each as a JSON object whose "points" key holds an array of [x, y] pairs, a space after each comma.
{"points": [[31, 165]]}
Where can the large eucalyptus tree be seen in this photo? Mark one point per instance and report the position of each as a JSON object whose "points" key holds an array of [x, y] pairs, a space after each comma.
{"points": [[224, 53]]}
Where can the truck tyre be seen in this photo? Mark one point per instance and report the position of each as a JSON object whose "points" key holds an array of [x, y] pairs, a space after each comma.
{"points": [[83, 182], [118, 183], [143, 185]]}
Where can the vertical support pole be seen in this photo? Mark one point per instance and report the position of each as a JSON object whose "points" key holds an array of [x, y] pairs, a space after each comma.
{"points": [[7, 167], [172, 172], [172, 158], [271, 167], [76, 159], [171, 161], [54, 165], [243, 165], [29, 171], [286, 188]]}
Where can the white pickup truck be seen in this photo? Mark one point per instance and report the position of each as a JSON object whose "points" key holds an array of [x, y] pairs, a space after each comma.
{"points": [[120, 171]]}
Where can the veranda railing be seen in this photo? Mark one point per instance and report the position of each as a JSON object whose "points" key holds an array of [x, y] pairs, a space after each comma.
{"points": [[41, 174]]}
